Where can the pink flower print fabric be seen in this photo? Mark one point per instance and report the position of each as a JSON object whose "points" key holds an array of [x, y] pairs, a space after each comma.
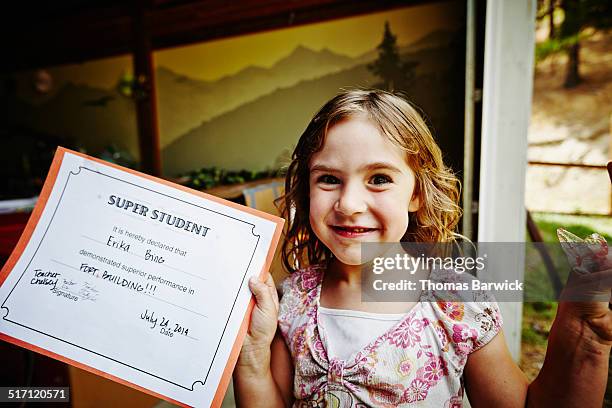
{"points": [[407, 333], [420, 360]]}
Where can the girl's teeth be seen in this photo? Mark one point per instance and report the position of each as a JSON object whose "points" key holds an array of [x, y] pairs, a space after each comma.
{"points": [[357, 230]]}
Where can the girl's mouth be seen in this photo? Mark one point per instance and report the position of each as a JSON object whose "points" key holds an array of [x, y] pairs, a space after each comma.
{"points": [[350, 231]]}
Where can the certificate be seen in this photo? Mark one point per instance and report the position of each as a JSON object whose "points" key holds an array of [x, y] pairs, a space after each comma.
{"points": [[136, 279]]}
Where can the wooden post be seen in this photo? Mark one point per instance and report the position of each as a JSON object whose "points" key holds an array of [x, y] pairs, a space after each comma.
{"points": [[610, 160], [507, 90], [145, 95]]}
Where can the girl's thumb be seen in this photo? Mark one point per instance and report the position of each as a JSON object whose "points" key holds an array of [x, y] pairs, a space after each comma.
{"points": [[262, 294]]}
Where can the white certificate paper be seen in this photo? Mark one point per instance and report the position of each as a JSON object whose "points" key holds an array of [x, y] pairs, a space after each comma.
{"points": [[136, 279]]}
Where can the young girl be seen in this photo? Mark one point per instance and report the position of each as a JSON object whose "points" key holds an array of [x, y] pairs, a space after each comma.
{"points": [[367, 169]]}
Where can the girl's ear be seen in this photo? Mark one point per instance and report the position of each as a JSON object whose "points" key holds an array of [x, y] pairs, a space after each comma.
{"points": [[415, 203]]}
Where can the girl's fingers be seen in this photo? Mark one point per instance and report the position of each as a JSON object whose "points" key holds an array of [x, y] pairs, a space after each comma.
{"points": [[262, 295], [272, 288], [601, 280], [589, 287]]}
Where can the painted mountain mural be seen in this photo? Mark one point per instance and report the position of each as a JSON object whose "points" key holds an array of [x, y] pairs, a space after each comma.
{"points": [[256, 134], [185, 103], [261, 133]]}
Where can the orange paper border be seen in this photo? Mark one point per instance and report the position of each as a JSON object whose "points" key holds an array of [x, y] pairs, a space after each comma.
{"points": [[33, 221]]}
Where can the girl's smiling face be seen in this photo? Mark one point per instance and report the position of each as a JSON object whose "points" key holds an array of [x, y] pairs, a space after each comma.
{"points": [[361, 189]]}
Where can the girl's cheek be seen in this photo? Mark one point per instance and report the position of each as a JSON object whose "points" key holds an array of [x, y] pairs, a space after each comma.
{"points": [[318, 204], [392, 203], [394, 210], [322, 198]]}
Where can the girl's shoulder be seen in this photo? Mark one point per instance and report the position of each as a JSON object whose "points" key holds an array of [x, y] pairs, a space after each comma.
{"points": [[471, 318], [298, 298], [303, 280]]}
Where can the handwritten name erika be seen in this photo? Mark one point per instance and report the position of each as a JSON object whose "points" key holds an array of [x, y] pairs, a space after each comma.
{"points": [[124, 246]]}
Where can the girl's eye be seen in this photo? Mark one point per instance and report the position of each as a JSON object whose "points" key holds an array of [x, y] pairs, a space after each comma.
{"points": [[380, 179], [328, 179]]}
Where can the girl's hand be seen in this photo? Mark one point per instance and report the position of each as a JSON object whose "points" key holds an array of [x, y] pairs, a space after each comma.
{"points": [[265, 314], [586, 300], [255, 351], [587, 293]]}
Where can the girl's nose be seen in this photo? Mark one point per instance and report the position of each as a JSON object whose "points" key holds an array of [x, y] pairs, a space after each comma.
{"points": [[352, 200]]}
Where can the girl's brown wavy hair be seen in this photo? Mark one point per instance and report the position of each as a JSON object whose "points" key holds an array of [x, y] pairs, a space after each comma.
{"points": [[436, 185]]}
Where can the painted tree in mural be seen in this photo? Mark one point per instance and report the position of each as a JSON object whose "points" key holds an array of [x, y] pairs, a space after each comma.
{"points": [[389, 67]]}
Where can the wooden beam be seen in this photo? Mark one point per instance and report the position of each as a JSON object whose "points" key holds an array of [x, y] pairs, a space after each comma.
{"points": [[198, 21], [32, 40], [145, 94], [560, 164]]}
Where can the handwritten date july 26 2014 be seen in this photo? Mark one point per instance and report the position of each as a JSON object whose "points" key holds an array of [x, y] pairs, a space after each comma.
{"points": [[166, 327]]}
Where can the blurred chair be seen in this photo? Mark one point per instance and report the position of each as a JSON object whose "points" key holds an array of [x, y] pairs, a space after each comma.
{"points": [[262, 198]]}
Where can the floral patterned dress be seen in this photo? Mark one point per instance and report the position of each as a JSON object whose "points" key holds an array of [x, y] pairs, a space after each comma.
{"points": [[418, 362]]}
